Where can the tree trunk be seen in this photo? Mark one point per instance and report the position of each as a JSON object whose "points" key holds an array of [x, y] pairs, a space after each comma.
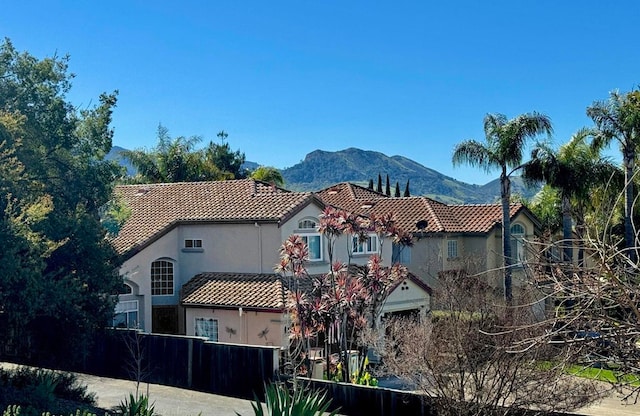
{"points": [[629, 235], [567, 229], [505, 195]]}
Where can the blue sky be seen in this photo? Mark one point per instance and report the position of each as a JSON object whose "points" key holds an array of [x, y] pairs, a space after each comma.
{"points": [[284, 78]]}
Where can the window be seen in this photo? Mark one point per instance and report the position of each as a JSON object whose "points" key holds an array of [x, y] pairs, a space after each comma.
{"points": [[452, 249], [313, 242], [517, 244], [193, 243], [367, 246], [161, 278], [126, 314], [307, 224], [308, 228], [401, 254], [207, 327]]}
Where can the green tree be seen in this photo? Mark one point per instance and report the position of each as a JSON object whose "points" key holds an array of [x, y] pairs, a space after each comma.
{"points": [[268, 174], [178, 160], [54, 183], [397, 193], [618, 119], [379, 187], [171, 160], [574, 170], [228, 161], [387, 189], [505, 142], [406, 190]]}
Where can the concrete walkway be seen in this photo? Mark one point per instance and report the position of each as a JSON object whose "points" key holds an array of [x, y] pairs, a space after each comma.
{"points": [[168, 401]]}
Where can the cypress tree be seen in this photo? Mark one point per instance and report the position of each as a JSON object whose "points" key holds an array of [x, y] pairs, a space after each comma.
{"points": [[397, 194], [388, 187], [371, 184], [379, 183], [406, 190]]}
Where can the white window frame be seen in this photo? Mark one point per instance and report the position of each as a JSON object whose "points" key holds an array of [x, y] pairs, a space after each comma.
{"points": [[517, 244], [306, 237], [307, 230], [452, 249], [209, 328], [127, 308], [157, 286], [368, 246]]}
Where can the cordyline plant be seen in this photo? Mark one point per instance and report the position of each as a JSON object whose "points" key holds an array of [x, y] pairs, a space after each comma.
{"points": [[336, 306]]}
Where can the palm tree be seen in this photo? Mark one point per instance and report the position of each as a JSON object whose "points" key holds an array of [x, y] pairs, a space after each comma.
{"points": [[574, 170], [505, 142], [618, 119], [172, 160], [268, 174]]}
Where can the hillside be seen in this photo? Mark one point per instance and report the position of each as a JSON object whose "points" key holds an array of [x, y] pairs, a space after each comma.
{"points": [[320, 169]]}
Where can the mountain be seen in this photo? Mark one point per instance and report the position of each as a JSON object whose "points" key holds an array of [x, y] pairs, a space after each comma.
{"points": [[321, 169]]}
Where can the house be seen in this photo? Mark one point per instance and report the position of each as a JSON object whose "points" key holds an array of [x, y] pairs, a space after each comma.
{"points": [[446, 237], [199, 259]]}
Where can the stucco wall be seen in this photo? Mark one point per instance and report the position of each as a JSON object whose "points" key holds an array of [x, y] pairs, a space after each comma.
{"points": [[242, 328]]}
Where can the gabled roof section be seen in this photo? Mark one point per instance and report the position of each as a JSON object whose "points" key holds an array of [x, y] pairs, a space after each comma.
{"points": [[156, 208], [250, 291], [412, 212], [259, 291]]}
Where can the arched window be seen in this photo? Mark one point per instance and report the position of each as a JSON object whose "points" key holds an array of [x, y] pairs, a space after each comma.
{"points": [[517, 243], [125, 289], [308, 223], [162, 278]]}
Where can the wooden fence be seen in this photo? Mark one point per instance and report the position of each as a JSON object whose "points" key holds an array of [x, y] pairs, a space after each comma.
{"points": [[226, 369]]}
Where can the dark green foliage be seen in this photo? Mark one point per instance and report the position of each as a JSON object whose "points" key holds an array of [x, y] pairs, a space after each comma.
{"points": [[397, 193], [279, 401], [53, 182], [406, 190], [387, 189], [178, 160], [133, 406], [370, 184], [379, 188], [37, 391]]}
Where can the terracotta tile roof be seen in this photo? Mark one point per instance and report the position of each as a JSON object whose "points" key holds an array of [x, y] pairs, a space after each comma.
{"points": [[260, 291], [156, 208], [246, 290], [410, 210]]}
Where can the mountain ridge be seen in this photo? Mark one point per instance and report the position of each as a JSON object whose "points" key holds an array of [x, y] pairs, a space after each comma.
{"points": [[321, 169]]}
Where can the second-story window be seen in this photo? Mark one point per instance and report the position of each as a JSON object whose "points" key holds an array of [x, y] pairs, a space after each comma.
{"points": [[452, 249], [368, 245], [308, 231], [162, 278], [193, 243]]}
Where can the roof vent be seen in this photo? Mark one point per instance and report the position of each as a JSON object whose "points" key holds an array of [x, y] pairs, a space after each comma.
{"points": [[422, 224]]}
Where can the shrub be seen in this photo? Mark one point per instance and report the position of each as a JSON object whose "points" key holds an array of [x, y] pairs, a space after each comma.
{"points": [[36, 391], [280, 402], [135, 406]]}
